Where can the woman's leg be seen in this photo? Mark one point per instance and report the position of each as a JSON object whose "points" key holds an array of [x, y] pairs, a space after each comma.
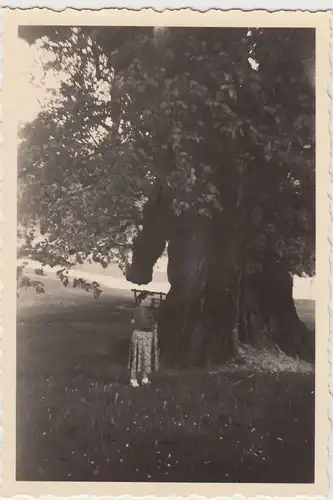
{"points": [[146, 365], [155, 350], [134, 381], [133, 360]]}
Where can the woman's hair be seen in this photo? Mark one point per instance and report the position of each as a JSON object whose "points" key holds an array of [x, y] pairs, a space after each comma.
{"points": [[142, 296]]}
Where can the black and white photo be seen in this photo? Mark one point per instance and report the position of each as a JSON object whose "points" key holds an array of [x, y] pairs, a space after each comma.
{"points": [[171, 305]]}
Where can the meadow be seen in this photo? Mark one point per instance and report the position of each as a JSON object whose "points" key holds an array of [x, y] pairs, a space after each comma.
{"points": [[78, 420]]}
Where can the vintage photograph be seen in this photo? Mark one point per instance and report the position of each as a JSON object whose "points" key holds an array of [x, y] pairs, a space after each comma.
{"points": [[166, 253]]}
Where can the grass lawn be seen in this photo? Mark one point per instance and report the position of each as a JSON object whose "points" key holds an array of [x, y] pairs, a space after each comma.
{"points": [[77, 419]]}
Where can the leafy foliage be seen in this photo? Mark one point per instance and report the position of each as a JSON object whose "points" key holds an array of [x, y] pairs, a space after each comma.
{"points": [[227, 123], [24, 281], [79, 283]]}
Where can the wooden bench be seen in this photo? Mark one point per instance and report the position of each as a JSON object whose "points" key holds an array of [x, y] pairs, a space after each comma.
{"points": [[157, 297]]}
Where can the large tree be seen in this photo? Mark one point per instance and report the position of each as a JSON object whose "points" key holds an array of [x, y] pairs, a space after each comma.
{"points": [[201, 139]]}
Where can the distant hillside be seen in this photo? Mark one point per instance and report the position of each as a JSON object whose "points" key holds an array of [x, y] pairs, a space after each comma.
{"points": [[113, 270], [112, 277]]}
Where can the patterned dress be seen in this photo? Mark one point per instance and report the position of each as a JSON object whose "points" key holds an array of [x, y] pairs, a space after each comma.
{"points": [[143, 355]]}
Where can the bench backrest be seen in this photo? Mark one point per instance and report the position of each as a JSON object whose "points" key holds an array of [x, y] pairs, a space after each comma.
{"points": [[157, 297]]}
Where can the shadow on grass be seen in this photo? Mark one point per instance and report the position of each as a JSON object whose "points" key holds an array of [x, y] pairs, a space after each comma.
{"points": [[77, 420]]}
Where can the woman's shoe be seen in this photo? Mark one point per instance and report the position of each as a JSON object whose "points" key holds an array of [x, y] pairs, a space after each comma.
{"points": [[134, 383]]}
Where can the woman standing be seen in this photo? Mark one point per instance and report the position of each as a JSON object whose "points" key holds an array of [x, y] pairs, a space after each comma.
{"points": [[143, 356]]}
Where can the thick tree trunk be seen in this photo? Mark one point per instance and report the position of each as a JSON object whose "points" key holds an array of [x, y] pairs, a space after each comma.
{"points": [[213, 305], [199, 314], [207, 312], [268, 314]]}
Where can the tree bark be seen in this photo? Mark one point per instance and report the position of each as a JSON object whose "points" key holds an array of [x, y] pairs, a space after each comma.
{"points": [[199, 313], [268, 315]]}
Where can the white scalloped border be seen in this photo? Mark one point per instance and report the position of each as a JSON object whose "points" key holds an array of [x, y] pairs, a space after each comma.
{"points": [[89, 4], [1, 231]]}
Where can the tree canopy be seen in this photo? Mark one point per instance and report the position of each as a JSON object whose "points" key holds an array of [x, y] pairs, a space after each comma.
{"points": [[219, 119]]}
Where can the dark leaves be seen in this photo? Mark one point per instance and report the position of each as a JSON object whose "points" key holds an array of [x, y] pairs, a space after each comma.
{"points": [[225, 135], [24, 281]]}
